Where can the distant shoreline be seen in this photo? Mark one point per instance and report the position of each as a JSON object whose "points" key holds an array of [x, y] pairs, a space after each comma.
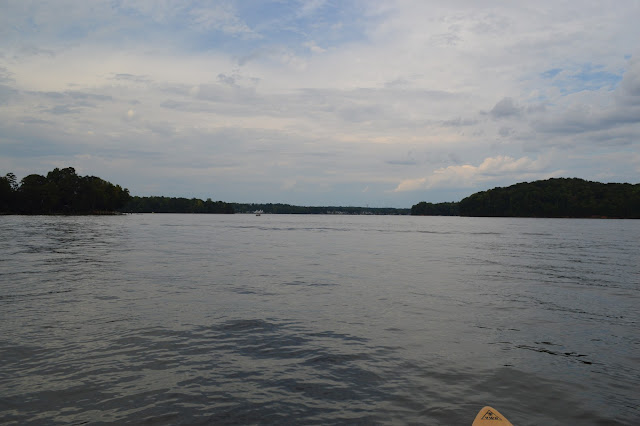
{"points": [[63, 192]]}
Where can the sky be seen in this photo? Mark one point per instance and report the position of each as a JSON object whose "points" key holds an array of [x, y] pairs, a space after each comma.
{"points": [[321, 102]]}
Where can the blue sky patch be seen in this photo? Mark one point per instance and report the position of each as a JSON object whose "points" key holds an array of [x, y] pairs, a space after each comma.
{"points": [[589, 77], [551, 73]]}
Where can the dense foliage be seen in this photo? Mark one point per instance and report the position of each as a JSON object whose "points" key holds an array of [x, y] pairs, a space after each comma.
{"points": [[62, 191], [431, 209], [559, 197], [289, 209], [175, 205]]}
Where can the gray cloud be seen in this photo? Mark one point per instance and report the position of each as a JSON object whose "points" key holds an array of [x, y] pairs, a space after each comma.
{"points": [[38, 139], [52, 95], [581, 119], [229, 80], [446, 39], [34, 120], [506, 107], [173, 104], [536, 108], [5, 75], [361, 113], [400, 82], [88, 96], [7, 93], [402, 162], [506, 131], [493, 24], [459, 122], [77, 98], [31, 50], [62, 109], [132, 77], [628, 92]]}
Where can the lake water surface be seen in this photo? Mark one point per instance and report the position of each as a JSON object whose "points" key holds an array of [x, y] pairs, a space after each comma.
{"points": [[282, 319]]}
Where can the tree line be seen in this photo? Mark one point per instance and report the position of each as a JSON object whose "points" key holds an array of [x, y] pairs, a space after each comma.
{"points": [[438, 209], [556, 197], [61, 191], [176, 205], [278, 208]]}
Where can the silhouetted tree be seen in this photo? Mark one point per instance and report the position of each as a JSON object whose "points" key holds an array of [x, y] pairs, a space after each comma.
{"points": [[62, 191], [175, 205], [430, 209]]}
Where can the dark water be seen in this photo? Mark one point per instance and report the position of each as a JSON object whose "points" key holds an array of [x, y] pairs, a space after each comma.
{"points": [[206, 319]]}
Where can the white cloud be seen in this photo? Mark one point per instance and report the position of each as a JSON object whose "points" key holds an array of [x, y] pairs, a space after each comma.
{"points": [[313, 47], [309, 7], [492, 169], [221, 17]]}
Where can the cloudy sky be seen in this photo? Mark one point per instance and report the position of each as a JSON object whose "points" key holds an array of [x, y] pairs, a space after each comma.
{"points": [[321, 102]]}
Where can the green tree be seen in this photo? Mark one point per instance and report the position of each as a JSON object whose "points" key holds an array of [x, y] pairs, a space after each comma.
{"points": [[558, 197]]}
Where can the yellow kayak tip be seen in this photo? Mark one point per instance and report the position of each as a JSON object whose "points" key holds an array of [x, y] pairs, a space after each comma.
{"points": [[489, 416]]}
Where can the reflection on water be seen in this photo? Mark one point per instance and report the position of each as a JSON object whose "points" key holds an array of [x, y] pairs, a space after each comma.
{"points": [[169, 319]]}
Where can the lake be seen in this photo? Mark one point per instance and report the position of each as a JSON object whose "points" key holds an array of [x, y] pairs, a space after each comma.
{"points": [[285, 319]]}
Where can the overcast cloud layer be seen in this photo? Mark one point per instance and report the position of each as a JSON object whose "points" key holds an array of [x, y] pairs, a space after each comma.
{"points": [[321, 102]]}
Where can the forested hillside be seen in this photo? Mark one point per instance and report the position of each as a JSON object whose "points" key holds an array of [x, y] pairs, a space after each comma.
{"points": [[559, 197]]}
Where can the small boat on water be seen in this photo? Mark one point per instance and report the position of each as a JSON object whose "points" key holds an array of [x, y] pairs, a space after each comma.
{"points": [[258, 212]]}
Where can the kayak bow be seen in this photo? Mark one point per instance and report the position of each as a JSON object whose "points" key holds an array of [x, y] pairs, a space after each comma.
{"points": [[490, 417]]}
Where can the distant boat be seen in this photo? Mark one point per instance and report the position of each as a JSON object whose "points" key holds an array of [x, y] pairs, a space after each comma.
{"points": [[258, 212]]}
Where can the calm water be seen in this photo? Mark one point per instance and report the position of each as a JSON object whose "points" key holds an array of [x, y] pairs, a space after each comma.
{"points": [[207, 319]]}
